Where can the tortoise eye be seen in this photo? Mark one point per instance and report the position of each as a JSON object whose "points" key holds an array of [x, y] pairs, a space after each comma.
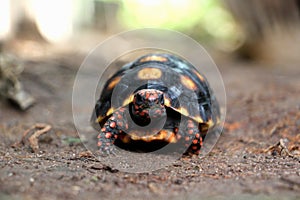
{"points": [[161, 99]]}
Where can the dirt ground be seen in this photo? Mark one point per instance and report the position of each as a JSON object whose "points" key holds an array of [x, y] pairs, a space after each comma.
{"points": [[263, 108]]}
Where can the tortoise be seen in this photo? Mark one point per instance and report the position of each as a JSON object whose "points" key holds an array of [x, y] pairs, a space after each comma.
{"points": [[158, 89]]}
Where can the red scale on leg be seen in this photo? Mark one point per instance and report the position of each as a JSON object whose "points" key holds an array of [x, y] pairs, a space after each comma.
{"points": [[108, 135], [119, 116], [110, 131], [192, 138], [191, 131], [112, 124], [119, 123]]}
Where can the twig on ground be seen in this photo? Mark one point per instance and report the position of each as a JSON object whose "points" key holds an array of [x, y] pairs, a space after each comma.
{"points": [[281, 148], [38, 129]]}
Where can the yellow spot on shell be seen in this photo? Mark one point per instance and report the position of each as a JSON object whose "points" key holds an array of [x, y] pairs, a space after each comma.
{"points": [[114, 82], [135, 137], [99, 119], [165, 135], [171, 138], [125, 139], [184, 111], [149, 73], [154, 58], [187, 82], [128, 100], [199, 76], [167, 102], [210, 123], [198, 119], [110, 111]]}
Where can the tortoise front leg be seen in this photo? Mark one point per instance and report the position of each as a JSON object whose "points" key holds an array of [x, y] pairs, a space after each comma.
{"points": [[115, 125]]}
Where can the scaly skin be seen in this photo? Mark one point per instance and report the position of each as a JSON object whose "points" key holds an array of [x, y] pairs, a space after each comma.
{"points": [[192, 138], [115, 127], [189, 138]]}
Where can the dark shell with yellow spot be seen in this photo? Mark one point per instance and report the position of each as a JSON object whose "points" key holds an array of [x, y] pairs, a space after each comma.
{"points": [[187, 93]]}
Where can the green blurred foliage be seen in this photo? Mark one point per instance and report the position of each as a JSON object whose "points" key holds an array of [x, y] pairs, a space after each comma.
{"points": [[204, 20]]}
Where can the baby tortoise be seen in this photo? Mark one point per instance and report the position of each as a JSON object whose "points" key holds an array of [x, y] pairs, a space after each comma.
{"points": [[184, 110]]}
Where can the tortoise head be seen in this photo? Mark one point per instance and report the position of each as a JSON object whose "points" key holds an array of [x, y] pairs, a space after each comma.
{"points": [[148, 103]]}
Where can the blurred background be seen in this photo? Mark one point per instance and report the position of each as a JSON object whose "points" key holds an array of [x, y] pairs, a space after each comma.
{"points": [[255, 44], [252, 30]]}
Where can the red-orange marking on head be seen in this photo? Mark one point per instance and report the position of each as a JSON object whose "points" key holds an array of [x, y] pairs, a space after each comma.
{"points": [[142, 113], [147, 95]]}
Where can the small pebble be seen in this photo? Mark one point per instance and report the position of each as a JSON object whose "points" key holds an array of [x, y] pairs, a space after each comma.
{"points": [[178, 181]]}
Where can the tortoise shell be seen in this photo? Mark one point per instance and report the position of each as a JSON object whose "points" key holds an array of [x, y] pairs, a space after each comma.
{"points": [[186, 91]]}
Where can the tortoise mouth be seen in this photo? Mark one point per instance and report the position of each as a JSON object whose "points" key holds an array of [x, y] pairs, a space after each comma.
{"points": [[153, 112]]}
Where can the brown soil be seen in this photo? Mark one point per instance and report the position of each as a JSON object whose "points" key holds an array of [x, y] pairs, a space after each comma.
{"points": [[262, 108]]}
